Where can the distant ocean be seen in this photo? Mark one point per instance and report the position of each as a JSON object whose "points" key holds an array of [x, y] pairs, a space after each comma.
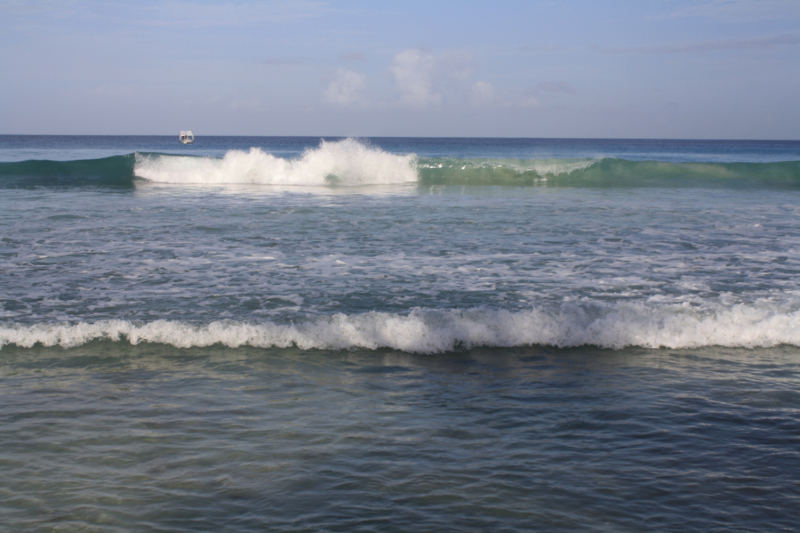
{"points": [[399, 334]]}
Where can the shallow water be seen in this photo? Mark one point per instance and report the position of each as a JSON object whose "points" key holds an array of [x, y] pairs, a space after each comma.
{"points": [[152, 438], [284, 334], [417, 270]]}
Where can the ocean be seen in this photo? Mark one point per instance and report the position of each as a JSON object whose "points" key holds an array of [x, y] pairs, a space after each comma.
{"points": [[396, 334]]}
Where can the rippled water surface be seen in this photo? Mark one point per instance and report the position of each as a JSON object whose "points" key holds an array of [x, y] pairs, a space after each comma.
{"points": [[536, 439], [168, 252]]}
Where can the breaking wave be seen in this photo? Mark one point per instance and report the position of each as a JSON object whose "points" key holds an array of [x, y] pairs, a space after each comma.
{"points": [[437, 331], [345, 162], [351, 163]]}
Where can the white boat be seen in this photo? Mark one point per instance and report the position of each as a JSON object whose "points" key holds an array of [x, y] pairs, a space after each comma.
{"points": [[186, 137]]}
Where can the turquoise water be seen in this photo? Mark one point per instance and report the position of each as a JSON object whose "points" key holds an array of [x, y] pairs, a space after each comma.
{"points": [[253, 334]]}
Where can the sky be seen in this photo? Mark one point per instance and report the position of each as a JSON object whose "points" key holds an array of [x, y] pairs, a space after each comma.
{"points": [[693, 69]]}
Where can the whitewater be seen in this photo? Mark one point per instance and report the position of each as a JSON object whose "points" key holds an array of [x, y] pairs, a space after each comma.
{"points": [[348, 245], [346, 162], [433, 331], [399, 333]]}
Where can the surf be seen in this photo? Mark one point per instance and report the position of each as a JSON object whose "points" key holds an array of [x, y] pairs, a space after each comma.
{"points": [[343, 163], [351, 162], [434, 331]]}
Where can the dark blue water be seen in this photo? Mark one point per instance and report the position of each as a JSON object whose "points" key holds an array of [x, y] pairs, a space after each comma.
{"points": [[22, 147]]}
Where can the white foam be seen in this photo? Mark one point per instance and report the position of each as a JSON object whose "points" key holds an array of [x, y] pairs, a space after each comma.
{"points": [[436, 331], [346, 162], [543, 167]]}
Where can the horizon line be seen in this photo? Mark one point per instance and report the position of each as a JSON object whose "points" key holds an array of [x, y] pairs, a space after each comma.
{"points": [[708, 139]]}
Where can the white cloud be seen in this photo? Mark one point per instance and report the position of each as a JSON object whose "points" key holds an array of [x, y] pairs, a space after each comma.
{"points": [[482, 93], [413, 77], [420, 75], [346, 88]]}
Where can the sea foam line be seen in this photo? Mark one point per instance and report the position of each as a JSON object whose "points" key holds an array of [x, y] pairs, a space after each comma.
{"points": [[437, 331]]}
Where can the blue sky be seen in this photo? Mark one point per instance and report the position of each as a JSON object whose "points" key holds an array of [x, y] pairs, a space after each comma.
{"points": [[640, 69]]}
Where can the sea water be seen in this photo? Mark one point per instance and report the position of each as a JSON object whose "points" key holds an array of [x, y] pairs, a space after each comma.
{"points": [[305, 334]]}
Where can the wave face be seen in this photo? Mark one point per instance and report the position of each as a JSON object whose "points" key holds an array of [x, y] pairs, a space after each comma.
{"points": [[114, 171], [608, 172], [352, 163], [345, 162], [433, 331]]}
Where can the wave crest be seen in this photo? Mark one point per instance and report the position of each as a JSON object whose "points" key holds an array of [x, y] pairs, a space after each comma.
{"points": [[351, 163], [437, 331], [346, 162], [608, 172]]}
